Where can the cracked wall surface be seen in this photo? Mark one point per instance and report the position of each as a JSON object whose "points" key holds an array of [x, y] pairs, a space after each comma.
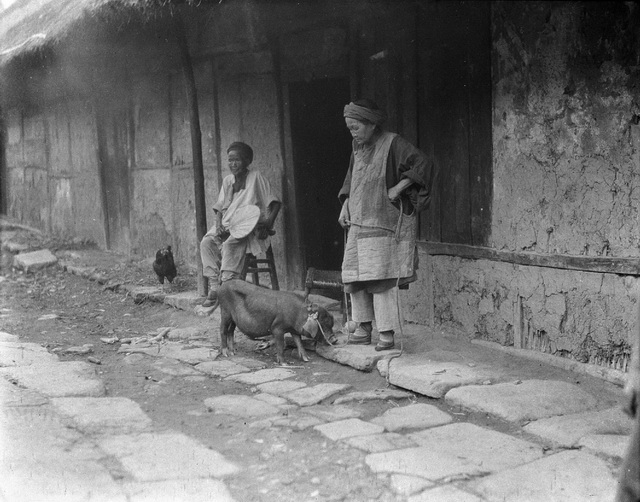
{"points": [[566, 168]]}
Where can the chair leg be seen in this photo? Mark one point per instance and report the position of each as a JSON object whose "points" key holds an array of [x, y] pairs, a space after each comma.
{"points": [[272, 269]]}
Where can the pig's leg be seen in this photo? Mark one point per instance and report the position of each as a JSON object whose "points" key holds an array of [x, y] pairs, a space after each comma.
{"points": [[226, 332], [230, 339], [298, 341], [278, 337]]}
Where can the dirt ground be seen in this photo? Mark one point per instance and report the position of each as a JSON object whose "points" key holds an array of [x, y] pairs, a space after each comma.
{"points": [[281, 464]]}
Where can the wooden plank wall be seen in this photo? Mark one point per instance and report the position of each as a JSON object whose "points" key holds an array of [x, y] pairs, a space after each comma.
{"points": [[454, 102]]}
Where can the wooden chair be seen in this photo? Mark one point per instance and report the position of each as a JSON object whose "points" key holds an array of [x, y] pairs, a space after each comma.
{"points": [[331, 281], [255, 266]]}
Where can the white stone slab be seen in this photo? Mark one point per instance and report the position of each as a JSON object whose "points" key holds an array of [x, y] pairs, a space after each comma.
{"points": [[8, 337], [455, 449], [221, 368], [271, 399], [360, 357], [61, 379], [182, 490], [174, 367], [611, 445], [239, 405], [308, 396], [408, 485], [528, 400], [156, 457], [34, 260], [446, 493], [262, 376], [174, 351], [13, 395], [433, 378], [43, 460], [281, 387], [568, 476], [331, 413], [348, 428], [103, 415], [568, 429], [24, 354], [376, 443], [374, 395], [413, 416], [183, 301]]}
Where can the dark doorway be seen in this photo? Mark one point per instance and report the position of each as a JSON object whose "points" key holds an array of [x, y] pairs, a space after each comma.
{"points": [[321, 149]]}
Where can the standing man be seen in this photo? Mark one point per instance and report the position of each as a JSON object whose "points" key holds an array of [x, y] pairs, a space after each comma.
{"points": [[388, 183], [223, 255]]}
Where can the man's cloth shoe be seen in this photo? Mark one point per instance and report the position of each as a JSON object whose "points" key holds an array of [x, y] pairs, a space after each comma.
{"points": [[212, 299], [386, 341], [361, 336]]}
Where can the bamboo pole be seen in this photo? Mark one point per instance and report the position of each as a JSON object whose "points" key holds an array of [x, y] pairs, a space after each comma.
{"points": [[196, 141]]}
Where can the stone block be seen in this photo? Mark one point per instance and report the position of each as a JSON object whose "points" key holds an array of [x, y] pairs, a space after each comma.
{"points": [[24, 354], [571, 476], [34, 260], [308, 396], [348, 428], [262, 376], [528, 400], [165, 456], [360, 357], [103, 415], [413, 416]]}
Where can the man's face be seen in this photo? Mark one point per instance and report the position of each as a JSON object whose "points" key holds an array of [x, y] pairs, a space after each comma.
{"points": [[236, 163], [361, 132]]}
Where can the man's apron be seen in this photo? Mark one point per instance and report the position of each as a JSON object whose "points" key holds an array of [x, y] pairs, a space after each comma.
{"points": [[381, 240]]}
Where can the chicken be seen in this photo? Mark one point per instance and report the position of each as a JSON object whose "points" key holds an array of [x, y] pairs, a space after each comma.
{"points": [[163, 266]]}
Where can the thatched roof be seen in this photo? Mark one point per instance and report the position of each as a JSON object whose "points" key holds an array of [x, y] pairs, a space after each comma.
{"points": [[29, 25]]}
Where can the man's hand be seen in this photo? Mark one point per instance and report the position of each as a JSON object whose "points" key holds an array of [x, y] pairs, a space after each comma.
{"points": [[262, 231], [345, 216], [395, 191]]}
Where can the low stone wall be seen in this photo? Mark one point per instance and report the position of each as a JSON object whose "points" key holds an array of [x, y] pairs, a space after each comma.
{"points": [[585, 316]]}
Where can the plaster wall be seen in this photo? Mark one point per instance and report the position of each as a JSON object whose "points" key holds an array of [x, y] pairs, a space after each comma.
{"points": [[566, 177]]}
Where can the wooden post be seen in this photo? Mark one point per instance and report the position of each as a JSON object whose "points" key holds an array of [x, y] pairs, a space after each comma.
{"points": [[196, 141]]}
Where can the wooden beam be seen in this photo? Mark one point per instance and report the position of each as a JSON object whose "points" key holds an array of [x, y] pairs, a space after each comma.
{"points": [[601, 264]]}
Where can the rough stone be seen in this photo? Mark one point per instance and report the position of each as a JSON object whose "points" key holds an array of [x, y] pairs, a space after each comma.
{"points": [[187, 300], [611, 445], [103, 415], [34, 260], [445, 493], [281, 387], [7, 337], [348, 428], [221, 368], [413, 416], [12, 395], [373, 395], [567, 430], [453, 450], [360, 357], [570, 476], [271, 399], [191, 332], [193, 490], [164, 456], [175, 368], [529, 400], [189, 356], [24, 354], [433, 378], [240, 406], [250, 363], [296, 421], [308, 396], [408, 485], [49, 461], [376, 443], [263, 376], [331, 413], [61, 379]]}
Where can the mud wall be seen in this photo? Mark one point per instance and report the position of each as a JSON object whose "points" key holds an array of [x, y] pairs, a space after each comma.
{"points": [[566, 177]]}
